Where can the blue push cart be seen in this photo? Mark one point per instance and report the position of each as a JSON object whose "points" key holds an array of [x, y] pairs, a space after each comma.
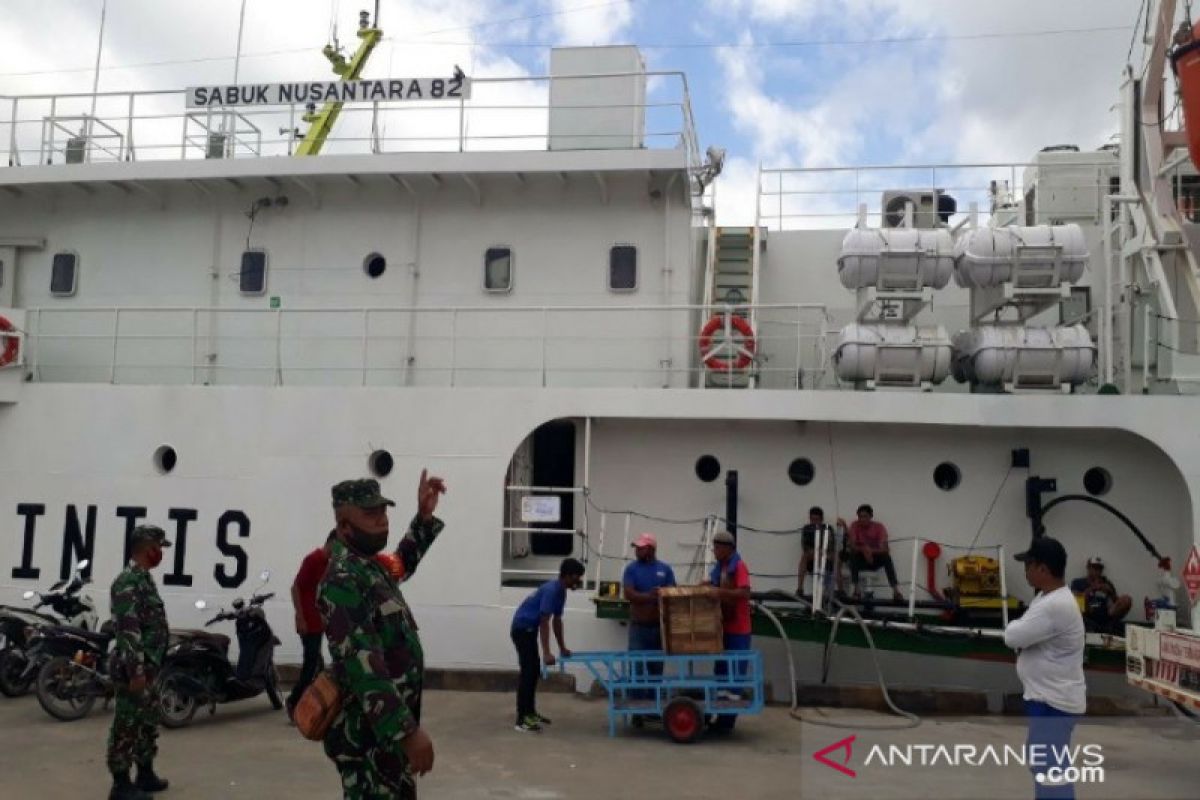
{"points": [[689, 690]]}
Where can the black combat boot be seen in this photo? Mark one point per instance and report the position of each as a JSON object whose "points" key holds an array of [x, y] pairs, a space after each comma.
{"points": [[147, 781], [123, 789]]}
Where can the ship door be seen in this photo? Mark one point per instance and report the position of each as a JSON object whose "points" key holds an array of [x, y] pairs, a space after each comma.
{"points": [[540, 499], [554, 466]]}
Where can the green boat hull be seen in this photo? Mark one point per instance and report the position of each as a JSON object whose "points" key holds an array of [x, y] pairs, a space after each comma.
{"points": [[957, 643]]}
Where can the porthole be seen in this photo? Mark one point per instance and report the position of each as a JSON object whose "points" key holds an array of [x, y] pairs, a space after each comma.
{"points": [[1097, 481], [708, 469], [801, 472], [380, 463], [947, 476], [374, 265], [165, 459]]}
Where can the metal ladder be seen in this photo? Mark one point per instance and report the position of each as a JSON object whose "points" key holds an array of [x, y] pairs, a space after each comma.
{"points": [[731, 282]]}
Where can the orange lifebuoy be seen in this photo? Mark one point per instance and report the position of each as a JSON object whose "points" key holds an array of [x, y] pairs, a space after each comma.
{"points": [[745, 351], [8, 353]]}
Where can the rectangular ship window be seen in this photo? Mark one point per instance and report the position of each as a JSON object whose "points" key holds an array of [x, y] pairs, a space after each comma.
{"points": [[497, 269], [252, 278], [622, 268], [63, 274]]}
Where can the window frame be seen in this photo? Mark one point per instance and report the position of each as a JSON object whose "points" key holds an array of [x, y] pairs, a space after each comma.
{"points": [[266, 269], [512, 268], [74, 273], [636, 271]]}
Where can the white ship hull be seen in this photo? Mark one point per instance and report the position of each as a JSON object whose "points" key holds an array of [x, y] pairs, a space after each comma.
{"points": [[255, 466]]}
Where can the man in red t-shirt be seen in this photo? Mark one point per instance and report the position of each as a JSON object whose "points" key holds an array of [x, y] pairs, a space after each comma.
{"points": [[731, 578], [308, 620], [870, 551]]}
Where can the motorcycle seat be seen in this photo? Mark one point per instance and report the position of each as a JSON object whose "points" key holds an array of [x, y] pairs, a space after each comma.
{"points": [[217, 640]]}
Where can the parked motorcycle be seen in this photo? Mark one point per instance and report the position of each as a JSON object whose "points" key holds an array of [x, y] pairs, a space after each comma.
{"points": [[198, 671], [74, 671], [17, 625]]}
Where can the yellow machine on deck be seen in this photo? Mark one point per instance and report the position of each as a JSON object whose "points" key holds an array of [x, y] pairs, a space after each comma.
{"points": [[975, 576], [976, 583]]}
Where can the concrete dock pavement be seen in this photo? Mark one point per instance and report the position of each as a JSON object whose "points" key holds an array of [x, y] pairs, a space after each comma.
{"points": [[246, 750]]}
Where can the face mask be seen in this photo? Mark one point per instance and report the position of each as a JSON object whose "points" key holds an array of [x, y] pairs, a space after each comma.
{"points": [[363, 543], [155, 557]]}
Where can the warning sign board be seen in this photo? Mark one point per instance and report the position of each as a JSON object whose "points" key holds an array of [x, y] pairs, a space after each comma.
{"points": [[1191, 574]]}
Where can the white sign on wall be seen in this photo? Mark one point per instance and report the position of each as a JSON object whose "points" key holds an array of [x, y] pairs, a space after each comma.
{"points": [[541, 509], [456, 87]]}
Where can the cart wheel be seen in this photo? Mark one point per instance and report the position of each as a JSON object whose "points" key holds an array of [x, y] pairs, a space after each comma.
{"points": [[683, 720]]}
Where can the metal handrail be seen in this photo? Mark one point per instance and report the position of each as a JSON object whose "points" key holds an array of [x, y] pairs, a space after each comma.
{"points": [[19, 144], [832, 196], [798, 339]]}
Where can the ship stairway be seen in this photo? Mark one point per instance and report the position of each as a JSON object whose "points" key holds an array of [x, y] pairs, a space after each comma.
{"points": [[732, 282]]}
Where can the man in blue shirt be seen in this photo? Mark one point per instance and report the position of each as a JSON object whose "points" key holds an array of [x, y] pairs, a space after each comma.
{"points": [[643, 578], [534, 618]]}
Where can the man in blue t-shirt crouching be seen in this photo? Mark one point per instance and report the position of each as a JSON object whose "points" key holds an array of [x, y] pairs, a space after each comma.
{"points": [[534, 618]]}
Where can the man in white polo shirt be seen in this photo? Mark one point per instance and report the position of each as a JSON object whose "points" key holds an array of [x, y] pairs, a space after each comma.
{"points": [[1049, 639]]}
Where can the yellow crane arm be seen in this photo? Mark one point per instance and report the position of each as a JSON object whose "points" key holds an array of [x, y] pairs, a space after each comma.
{"points": [[321, 122]]}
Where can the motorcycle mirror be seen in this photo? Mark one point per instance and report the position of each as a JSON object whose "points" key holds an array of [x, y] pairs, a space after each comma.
{"points": [[200, 604], [28, 595], [265, 575], [82, 565]]}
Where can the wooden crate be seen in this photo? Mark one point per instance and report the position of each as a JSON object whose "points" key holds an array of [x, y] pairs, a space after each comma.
{"points": [[691, 620]]}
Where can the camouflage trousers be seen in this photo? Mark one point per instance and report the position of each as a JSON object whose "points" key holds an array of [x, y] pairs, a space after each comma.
{"points": [[368, 770], [133, 738]]}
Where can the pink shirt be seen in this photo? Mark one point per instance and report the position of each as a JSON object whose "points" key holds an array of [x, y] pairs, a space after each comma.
{"points": [[869, 534]]}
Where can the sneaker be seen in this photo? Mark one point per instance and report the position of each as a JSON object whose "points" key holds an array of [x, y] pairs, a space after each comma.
{"points": [[528, 725], [725, 694], [541, 719]]}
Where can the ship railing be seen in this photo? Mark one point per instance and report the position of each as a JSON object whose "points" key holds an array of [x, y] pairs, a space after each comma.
{"points": [[811, 198], [652, 346], [502, 114], [529, 515], [830, 543]]}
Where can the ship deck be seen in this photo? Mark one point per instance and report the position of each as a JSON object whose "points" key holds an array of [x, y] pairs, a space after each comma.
{"points": [[247, 750]]}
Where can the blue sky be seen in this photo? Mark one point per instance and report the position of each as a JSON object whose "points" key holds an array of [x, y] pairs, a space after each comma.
{"points": [[969, 92]]}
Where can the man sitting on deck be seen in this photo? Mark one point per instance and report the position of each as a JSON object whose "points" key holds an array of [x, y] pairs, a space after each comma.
{"points": [[1103, 608], [808, 547], [869, 550]]}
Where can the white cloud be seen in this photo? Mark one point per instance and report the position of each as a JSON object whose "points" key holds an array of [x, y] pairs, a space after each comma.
{"points": [[282, 42], [954, 100], [578, 22], [737, 192]]}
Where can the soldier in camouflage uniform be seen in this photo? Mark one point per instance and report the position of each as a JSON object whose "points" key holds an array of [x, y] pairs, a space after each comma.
{"points": [[140, 622], [377, 742]]}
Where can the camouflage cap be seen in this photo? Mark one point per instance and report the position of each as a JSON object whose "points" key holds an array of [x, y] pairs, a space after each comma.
{"points": [[148, 533], [361, 492]]}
